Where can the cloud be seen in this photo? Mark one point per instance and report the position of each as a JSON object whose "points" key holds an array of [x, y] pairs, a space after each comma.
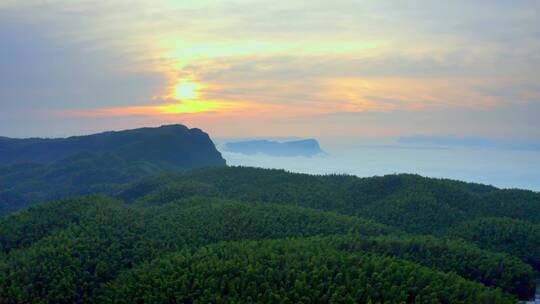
{"points": [[41, 70], [285, 60]]}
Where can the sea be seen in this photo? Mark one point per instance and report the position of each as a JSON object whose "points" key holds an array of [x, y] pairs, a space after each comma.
{"points": [[499, 165]]}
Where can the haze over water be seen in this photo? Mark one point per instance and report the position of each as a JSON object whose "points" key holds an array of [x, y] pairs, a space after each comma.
{"points": [[504, 168]]}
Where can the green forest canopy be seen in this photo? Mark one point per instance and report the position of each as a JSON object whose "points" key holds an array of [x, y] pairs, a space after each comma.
{"points": [[229, 234]]}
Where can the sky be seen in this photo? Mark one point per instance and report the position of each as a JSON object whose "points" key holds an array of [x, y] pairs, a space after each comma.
{"points": [[272, 68]]}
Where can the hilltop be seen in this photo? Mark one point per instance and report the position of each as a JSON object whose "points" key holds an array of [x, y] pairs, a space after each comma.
{"points": [[38, 169], [169, 146]]}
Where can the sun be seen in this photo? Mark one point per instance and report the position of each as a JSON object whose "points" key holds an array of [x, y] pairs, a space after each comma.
{"points": [[187, 90]]}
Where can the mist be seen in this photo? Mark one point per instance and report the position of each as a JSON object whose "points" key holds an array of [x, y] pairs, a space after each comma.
{"points": [[365, 157]]}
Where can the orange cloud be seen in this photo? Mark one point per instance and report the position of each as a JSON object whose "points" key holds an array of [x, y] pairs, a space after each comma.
{"points": [[188, 107], [391, 94]]}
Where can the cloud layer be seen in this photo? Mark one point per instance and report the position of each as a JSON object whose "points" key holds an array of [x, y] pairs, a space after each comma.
{"points": [[273, 68]]}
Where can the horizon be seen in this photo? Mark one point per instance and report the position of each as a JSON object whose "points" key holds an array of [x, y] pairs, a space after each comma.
{"points": [[500, 163]]}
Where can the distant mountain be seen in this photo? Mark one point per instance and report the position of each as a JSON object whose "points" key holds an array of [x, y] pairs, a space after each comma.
{"points": [[472, 142], [306, 147], [169, 146], [35, 170]]}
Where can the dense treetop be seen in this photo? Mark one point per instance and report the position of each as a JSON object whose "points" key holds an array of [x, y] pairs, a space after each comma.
{"points": [[410, 202], [233, 234], [290, 271]]}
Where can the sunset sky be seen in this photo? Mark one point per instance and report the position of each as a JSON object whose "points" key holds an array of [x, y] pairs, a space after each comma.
{"points": [[272, 68]]}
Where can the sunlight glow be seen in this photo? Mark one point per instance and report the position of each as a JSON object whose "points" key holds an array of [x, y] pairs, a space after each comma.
{"points": [[186, 90], [187, 52], [191, 106]]}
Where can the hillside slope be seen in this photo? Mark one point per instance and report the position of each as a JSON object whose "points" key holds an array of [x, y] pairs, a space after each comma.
{"points": [[95, 250], [410, 203], [171, 146], [37, 170], [151, 242]]}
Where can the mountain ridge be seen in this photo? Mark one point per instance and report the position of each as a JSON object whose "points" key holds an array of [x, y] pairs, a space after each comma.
{"points": [[151, 144], [36, 170]]}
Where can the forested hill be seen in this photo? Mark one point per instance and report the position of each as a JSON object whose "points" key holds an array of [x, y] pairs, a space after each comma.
{"points": [[171, 146], [246, 235], [36, 170]]}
